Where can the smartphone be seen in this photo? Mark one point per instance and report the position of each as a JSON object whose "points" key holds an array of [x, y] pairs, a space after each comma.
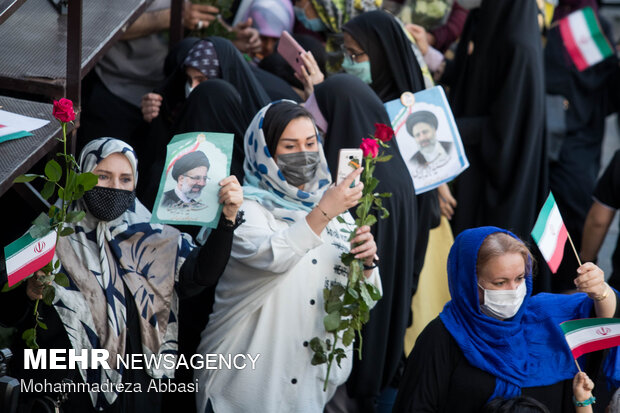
{"points": [[348, 161], [290, 50]]}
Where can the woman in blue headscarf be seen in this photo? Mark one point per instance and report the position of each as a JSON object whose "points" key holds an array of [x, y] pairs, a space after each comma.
{"points": [[269, 302], [493, 339]]}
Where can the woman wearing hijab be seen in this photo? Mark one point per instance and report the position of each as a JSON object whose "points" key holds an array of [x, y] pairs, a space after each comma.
{"points": [[270, 18], [494, 339], [350, 110], [325, 18], [189, 64], [125, 279], [269, 300], [497, 98]]}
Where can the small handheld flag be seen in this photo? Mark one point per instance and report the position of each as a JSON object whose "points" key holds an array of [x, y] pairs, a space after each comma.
{"points": [[27, 255], [550, 234], [591, 334], [582, 36]]}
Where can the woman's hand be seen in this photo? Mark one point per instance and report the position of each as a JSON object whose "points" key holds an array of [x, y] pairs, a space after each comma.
{"points": [[248, 39], [231, 196], [198, 16], [34, 287], [364, 246], [311, 76], [591, 280], [340, 198], [151, 103], [447, 203], [419, 34], [582, 387]]}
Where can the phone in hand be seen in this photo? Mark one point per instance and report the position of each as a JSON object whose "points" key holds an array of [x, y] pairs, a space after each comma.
{"points": [[349, 159], [291, 51]]}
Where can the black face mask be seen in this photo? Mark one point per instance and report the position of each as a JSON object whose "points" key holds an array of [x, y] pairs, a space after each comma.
{"points": [[107, 204], [299, 167]]}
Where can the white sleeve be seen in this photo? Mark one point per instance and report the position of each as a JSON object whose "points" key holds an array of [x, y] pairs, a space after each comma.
{"points": [[257, 245]]}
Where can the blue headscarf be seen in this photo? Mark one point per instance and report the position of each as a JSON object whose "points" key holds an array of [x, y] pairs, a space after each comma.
{"points": [[528, 350], [265, 183]]}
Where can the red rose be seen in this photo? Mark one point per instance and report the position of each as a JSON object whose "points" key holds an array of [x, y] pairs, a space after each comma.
{"points": [[63, 110], [370, 147], [383, 132]]}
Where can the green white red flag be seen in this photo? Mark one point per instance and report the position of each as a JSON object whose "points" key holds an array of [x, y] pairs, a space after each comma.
{"points": [[591, 334], [583, 38], [27, 255], [550, 233]]}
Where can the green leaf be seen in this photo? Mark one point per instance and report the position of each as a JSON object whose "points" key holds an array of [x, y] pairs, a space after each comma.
{"points": [[62, 280], [332, 321], [75, 216], [370, 220], [348, 337], [79, 193], [61, 193], [66, 231], [26, 178], [373, 291], [340, 219], [42, 324], [384, 213], [383, 158], [56, 264], [48, 294], [52, 211], [385, 194], [48, 190], [6, 288], [353, 293], [316, 345], [53, 171], [337, 290], [347, 258], [333, 306], [366, 297], [88, 180], [47, 268], [318, 358]]}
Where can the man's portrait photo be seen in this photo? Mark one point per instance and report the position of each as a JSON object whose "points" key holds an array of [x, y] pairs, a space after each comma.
{"points": [[191, 175], [196, 162], [432, 153]]}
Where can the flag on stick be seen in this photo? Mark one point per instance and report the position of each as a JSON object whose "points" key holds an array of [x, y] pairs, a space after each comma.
{"points": [[582, 36], [550, 233], [27, 255], [591, 334]]}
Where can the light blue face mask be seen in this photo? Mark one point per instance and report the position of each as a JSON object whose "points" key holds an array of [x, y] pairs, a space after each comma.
{"points": [[316, 25], [359, 69]]}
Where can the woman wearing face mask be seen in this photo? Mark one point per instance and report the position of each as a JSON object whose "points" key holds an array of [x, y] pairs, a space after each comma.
{"points": [[269, 300], [494, 339], [126, 276], [325, 18]]}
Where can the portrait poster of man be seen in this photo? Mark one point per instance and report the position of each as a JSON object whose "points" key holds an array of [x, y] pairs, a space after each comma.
{"points": [[427, 138], [188, 191]]}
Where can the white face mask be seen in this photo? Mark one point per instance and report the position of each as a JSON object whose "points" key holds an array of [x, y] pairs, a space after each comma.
{"points": [[188, 89], [469, 4], [503, 304]]}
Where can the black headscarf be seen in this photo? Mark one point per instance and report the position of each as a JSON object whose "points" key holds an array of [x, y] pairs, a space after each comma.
{"points": [[215, 106], [498, 100], [234, 69], [393, 65], [276, 87], [395, 70], [351, 109]]}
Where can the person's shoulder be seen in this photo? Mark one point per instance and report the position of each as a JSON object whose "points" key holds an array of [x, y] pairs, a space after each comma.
{"points": [[434, 332]]}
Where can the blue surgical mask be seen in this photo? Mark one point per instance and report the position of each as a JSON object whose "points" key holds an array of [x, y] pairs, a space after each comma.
{"points": [[316, 24], [359, 69]]}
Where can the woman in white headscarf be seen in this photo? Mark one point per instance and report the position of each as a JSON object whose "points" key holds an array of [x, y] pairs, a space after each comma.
{"points": [[125, 277], [269, 301]]}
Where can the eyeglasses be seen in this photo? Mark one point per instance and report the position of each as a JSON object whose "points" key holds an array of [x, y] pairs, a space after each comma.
{"points": [[198, 178], [352, 56]]}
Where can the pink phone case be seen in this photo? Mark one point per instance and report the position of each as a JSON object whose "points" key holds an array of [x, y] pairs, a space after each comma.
{"points": [[290, 50]]}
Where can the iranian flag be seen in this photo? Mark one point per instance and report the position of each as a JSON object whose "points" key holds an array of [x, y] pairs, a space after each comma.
{"points": [[585, 42], [550, 233], [27, 255], [591, 334]]}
